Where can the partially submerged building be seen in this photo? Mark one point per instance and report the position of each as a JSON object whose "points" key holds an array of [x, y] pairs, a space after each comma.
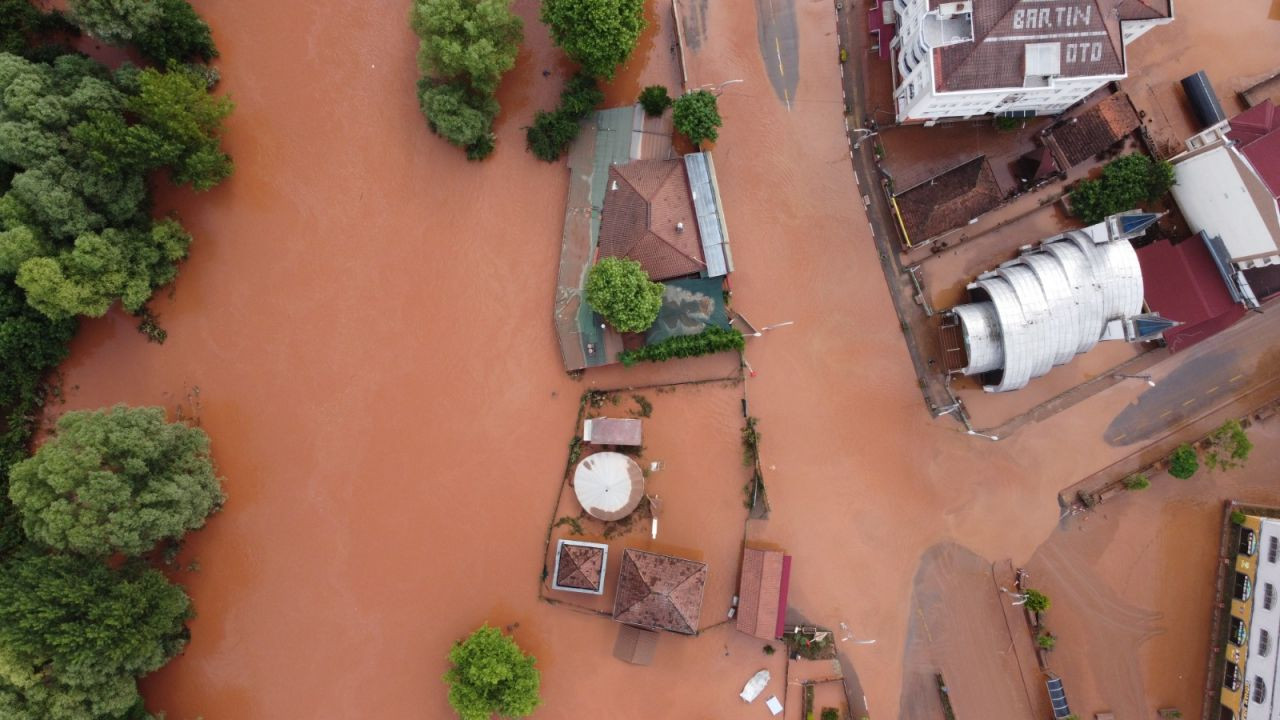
{"points": [[659, 592], [1228, 189], [580, 566], [762, 593], [1248, 680], [1014, 58], [1052, 302]]}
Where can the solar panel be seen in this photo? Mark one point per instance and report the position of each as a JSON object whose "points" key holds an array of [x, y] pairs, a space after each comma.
{"points": [[1058, 699]]}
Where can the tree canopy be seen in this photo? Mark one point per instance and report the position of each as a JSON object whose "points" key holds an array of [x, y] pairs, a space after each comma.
{"points": [[1037, 601], [1126, 183], [162, 30], [620, 290], [1184, 462], [599, 35], [465, 48], [115, 481], [655, 100], [696, 116], [77, 621], [490, 675], [552, 132]]}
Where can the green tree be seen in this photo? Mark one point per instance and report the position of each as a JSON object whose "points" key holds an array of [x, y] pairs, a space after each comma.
{"points": [[469, 41], [552, 132], [116, 481], [1137, 481], [182, 125], [620, 290], [1046, 640], [1037, 602], [1184, 462], [162, 30], [75, 620], [655, 100], [1126, 183], [696, 116], [490, 675], [49, 699], [458, 115], [599, 35], [1238, 517]]}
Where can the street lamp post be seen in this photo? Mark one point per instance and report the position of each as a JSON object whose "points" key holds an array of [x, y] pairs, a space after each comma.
{"points": [[868, 134], [992, 438], [1148, 378]]}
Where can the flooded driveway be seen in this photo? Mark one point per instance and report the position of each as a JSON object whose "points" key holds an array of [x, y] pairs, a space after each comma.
{"points": [[365, 315]]}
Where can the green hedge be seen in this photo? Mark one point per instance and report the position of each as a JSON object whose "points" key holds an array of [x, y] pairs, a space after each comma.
{"points": [[711, 340]]}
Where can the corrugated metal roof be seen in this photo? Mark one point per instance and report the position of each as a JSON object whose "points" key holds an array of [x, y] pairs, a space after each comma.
{"points": [[706, 207]]}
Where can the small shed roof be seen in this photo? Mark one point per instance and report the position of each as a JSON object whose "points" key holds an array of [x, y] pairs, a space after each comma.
{"points": [[762, 593], [660, 592], [580, 566], [635, 645], [611, 431]]}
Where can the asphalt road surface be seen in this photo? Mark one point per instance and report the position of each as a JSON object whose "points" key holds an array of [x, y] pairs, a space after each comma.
{"points": [[779, 46]]}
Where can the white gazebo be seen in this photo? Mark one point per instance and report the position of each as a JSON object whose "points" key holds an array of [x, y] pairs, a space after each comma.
{"points": [[609, 485]]}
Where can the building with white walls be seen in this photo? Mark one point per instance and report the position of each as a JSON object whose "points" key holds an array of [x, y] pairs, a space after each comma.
{"points": [[1015, 58], [1249, 681]]}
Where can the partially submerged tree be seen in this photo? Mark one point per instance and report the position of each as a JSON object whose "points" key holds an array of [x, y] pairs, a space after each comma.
{"points": [[599, 35], [697, 117], [553, 132], [1184, 462], [620, 290], [1229, 446], [1126, 183], [1037, 602], [74, 620], [162, 30], [465, 48], [116, 481], [490, 675]]}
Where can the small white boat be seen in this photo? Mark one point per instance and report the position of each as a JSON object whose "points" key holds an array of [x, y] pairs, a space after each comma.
{"points": [[755, 686]]}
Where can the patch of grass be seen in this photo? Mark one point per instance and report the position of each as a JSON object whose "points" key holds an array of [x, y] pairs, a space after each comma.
{"points": [[645, 408], [575, 525]]}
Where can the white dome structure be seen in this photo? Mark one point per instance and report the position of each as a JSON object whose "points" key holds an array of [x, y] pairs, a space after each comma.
{"points": [[1053, 302]]}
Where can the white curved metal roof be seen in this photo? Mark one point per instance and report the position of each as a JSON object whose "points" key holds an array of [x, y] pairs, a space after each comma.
{"points": [[1048, 305]]}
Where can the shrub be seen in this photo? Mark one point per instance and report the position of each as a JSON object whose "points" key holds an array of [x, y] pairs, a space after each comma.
{"points": [[1137, 481], [830, 713], [1184, 463], [711, 340], [1037, 602], [697, 117], [1007, 124], [1238, 517], [769, 650], [621, 291], [1046, 640], [552, 132], [655, 100], [490, 675], [1229, 446]]}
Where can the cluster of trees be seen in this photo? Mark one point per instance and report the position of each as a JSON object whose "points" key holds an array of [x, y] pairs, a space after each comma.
{"points": [[620, 290], [598, 35], [1225, 448], [1126, 183], [163, 31], [86, 613], [552, 132], [711, 340], [465, 48], [490, 675], [697, 117]]}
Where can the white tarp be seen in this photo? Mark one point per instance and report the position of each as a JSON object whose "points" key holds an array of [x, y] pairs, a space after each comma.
{"points": [[755, 686]]}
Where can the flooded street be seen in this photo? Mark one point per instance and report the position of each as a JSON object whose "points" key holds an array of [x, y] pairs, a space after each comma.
{"points": [[367, 318]]}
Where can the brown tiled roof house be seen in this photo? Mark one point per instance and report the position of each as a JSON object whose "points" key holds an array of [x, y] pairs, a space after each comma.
{"points": [[648, 216], [762, 592], [661, 592], [948, 201], [580, 566], [1094, 130]]}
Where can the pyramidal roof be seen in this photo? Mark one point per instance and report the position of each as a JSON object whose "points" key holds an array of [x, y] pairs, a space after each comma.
{"points": [[660, 591], [648, 216], [580, 566]]}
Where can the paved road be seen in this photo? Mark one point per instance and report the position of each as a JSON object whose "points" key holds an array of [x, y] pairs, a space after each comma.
{"points": [[1194, 382], [779, 46]]}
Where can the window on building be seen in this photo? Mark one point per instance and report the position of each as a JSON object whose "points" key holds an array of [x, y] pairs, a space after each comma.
{"points": [[1226, 713], [1268, 596], [1259, 690], [1231, 677], [1273, 549], [1237, 636], [1264, 643], [1243, 589], [1248, 542]]}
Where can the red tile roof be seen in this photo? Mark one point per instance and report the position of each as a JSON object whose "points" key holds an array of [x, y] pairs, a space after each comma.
{"points": [[644, 203], [1002, 29], [761, 593], [659, 591], [1256, 132], [950, 200], [1095, 129], [581, 567]]}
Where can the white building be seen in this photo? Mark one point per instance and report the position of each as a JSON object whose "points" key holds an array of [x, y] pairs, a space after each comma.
{"points": [[1227, 186], [1011, 57], [1249, 676], [1051, 303]]}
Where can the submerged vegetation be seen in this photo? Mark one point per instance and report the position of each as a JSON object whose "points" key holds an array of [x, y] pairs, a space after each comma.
{"points": [[711, 340], [84, 612], [552, 132], [466, 47], [490, 675], [598, 35]]}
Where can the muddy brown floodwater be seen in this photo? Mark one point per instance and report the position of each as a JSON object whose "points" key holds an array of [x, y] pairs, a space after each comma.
{"points": [[367, 319]]}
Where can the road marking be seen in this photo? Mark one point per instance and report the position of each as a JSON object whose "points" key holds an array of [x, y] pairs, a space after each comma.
{"points": [[787, 94], [777, 44], [1119, 437], [1235, 378], [1188, 402], [1212, 390], [1166, 412]]}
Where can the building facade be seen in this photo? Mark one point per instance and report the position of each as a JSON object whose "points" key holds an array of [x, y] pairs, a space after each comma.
{"points": [[1249, 681], [1052, 302], [1015, 58]]}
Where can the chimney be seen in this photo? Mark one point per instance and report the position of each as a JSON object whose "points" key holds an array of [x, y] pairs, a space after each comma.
{"points": [[679, 227]]}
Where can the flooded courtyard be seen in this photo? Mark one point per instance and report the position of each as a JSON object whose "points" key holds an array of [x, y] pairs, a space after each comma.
{"points": [[367, 319]]}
